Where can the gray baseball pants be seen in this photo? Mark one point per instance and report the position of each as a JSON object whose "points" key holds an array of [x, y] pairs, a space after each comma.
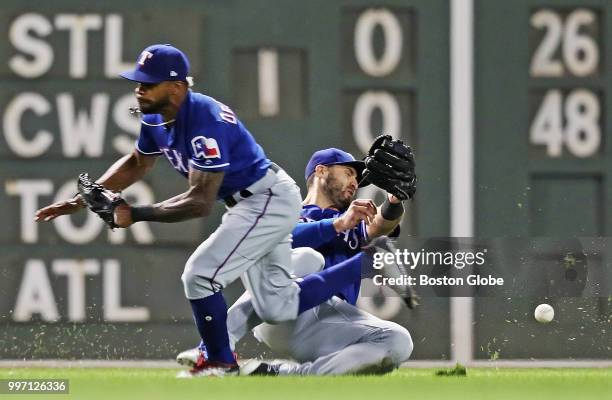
{"points": [[331, 339], [252, 242]]}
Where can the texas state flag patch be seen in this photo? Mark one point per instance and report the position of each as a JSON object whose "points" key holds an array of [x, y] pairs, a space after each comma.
{"points": [[204, 147]]}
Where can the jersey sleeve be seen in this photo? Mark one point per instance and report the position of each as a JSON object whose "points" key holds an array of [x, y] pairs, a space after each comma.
{"points": [[145, 143], [313, 234], [211, 152]]}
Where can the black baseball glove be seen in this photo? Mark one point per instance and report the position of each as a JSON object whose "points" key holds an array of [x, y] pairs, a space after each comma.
{"points": [[390, 166], [99, 199]]}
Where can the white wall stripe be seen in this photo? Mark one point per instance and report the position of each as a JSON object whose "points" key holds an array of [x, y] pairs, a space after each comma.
{"points": [[269, 103], [461, 162]]}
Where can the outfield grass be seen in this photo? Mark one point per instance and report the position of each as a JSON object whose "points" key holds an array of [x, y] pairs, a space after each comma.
{"points": [[417, 384]]}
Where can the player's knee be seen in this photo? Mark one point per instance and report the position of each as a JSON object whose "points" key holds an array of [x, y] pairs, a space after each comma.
{"points": [[313, 258], [399, 343], [194, 285], [273, 316], [305, 260], [188, 278], [276, 312]]}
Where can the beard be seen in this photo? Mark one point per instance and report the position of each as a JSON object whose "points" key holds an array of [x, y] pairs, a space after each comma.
{"points": [[335, 192], [148, 107]]}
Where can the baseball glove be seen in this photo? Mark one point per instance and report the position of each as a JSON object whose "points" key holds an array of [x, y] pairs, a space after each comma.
{"points": [[390, 166], [99, 199]]}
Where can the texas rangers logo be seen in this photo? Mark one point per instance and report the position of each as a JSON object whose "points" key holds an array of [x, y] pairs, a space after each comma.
{"points": [[144, 56], [205, 147]]}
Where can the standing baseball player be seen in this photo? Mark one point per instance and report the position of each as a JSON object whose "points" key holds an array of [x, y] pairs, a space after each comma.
{"points": [[206, 143], [335, 337]]}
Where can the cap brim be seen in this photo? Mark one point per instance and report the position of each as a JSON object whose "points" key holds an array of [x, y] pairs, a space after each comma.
{"points": [[359, 167], [139, 76]]}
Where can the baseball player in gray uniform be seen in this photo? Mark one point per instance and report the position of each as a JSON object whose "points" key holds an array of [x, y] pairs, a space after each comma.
{"points": [[335, 337]]}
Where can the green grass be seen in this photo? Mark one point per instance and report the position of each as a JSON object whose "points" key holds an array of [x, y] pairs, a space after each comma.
{"points": [[413, 384]]}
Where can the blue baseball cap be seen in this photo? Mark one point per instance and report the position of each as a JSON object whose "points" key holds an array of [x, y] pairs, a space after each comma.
{"points": [[158, 63], [333, 156]]}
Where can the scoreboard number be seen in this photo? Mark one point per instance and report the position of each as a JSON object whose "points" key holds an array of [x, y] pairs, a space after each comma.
{"points": [[579, 51], [581, 134], [378, 66], [364, 42]]}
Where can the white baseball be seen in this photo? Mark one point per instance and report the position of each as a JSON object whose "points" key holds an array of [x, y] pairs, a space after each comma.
{"points": [[544, 313]]}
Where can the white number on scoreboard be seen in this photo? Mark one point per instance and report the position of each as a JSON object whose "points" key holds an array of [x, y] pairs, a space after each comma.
{"points": [[579, 51], [573, 122]]}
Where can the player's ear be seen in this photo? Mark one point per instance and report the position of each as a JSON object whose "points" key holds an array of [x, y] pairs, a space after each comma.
{"points": [[177, 86], [321, 171]]}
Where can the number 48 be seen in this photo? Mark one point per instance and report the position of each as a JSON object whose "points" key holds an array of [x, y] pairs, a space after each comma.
{"points": [[581, 135]]}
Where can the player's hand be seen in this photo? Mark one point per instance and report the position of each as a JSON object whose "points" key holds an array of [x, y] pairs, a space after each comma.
{"points": [[123, 216], [393, 199], [359, 210], [64, 207]]}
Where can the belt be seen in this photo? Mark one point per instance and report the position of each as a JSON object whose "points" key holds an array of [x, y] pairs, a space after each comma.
{"points": [[233, 199]]}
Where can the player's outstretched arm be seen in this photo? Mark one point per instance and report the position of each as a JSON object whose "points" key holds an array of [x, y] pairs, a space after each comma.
{"points": [[125, 171], [316, 233], [387, 218], [54, 210], [196, 202]]}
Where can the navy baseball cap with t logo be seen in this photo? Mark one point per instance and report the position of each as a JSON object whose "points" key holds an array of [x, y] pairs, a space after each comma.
{"points": [[333, 156], [158, 63]]}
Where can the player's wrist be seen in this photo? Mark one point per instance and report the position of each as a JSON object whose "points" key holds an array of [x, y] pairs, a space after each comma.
{"points": [[142, 213], [339, 225], [391, 211], [78, 200], [392, 199]]}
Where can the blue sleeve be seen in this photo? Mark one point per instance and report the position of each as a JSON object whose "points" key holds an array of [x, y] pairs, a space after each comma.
{"points": [[211, 153], [145, 143], [313, 234]]}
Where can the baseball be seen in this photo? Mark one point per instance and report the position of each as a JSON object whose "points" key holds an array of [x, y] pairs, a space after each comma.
{"points": [[544, 313]]}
